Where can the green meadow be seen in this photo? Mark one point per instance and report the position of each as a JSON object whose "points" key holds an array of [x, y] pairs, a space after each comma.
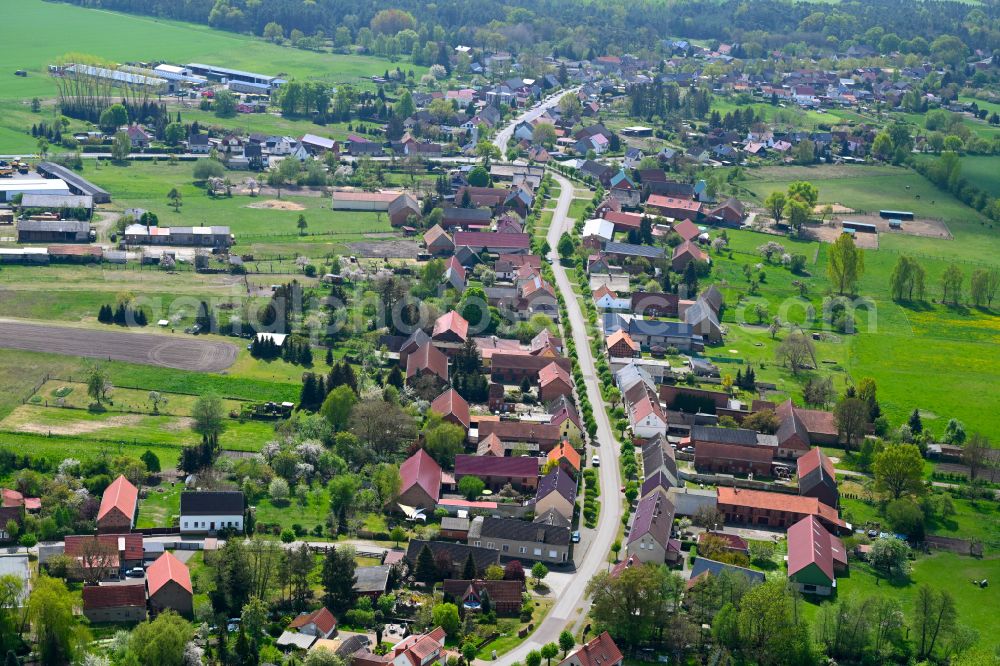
{"points": [[941, 359], [124, 38]]}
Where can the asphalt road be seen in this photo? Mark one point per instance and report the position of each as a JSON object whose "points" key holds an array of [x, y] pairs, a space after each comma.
{"points": [[182, 352], [572, 604], [503, 136]]}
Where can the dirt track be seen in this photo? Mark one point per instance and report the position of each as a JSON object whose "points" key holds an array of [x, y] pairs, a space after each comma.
{"points": [[182, 352]]}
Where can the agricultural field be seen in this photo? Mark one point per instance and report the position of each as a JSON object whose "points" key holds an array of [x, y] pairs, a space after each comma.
{"points": [[145, 39], [981, 171]]}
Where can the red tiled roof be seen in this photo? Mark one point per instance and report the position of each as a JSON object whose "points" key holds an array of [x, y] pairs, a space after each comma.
{"points": [[11, 498], [687, 247], [451, 322], [624, 220], [489, 466], [759, 499], [733, 541], [428, 357], [661, 201], [810, 543], [686, 229], [120, 495], [165, 569], [521, 431], [552, 372], [131, 545], [809, 461], [422, 470], [565, 450], [618, 336], [817, 421], [450, 403], [476, 239], [601, 651], [113, 596], [322, 618]]}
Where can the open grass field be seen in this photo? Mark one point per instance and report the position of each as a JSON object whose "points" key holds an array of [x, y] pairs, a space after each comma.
{"points": [[124, 38], [941, 359], [976, 606], [982, 171]]}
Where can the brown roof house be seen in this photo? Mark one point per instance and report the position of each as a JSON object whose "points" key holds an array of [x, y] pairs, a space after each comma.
{"points": [[114, 603], [453, 408], [732, 450], [504, 596], [427, 360], [801, 429], [420, 481], [554, 382], [118, 505], [168, 583], [521, 472], [320, 623], [404, 209], [684, 254], [438, 242]]}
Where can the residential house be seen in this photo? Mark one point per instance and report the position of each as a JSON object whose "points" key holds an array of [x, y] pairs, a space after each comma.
{"points": [[687, 230], [817, 477], [450, 327], [505, 596], [519, 539], [625, 190], [496, 243], [420, 481], [556, 492], [540, 435], [567, 457], [319, 623], [815, 557], [732, 450], [102, 556], [212, 511], [318, 145], [600, 651], [801, 429], [703, 568], [403, 210], [466, 218], [597, 232], [704, 320], [659, 465], [511, 368], [553, 382], [645, 415], [677, 208], [621, 345], [139, 137], [427, 361], [649, 537], [730, 213], [168, 585], [684, 254], [125, 604], [566, 419], [198, 144], [438, 242], [651, 334], [654, 304], [452, 554], [453, 408], [455, 275], [757, 507], [520, 472], [606, 299], [118, 506]]}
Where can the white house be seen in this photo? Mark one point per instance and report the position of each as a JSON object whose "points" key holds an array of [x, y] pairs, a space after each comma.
{"points": [[204, 512], [646, 417], [602, 229]]}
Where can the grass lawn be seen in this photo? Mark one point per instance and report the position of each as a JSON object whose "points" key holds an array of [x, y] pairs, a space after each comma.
{"points": [[942, 360], [313, 513], [981, 171], [976, 606], [577, 207], [58, 448], [510, 640], [160, 504]]}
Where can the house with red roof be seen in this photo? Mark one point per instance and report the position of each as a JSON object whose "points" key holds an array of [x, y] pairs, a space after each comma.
{"points": [[646, 416], [686, 230], [420, 481], [438, 242], [320, 623], [624, 222], [683, 209], [567, 457], [817, 477], [168, 585], [118, 506], [450, 327], [684, 254], [102, 556], [13, 506], [453, 408], [553, 382], [815, 557], [801, 429], [427, 360], [758, 507], [504, 595], [543, 435], [600, 651], [621, 345], [114, 603], [520, 472]]}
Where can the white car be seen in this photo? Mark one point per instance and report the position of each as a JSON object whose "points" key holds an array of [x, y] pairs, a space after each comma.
{"points": [[595, 461]]}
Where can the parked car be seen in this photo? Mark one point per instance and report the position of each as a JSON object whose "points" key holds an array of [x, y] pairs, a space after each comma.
{"points": [[136, 572], [575, 537], [595, 461]]}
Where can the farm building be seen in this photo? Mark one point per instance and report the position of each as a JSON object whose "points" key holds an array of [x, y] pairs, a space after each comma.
{"points": [[226, 75], [863, 227], [114, 603], [215, 237], [896, 215], [11, 188], [57, 202], [76, 183], [168, 583], [24, 255], [53, 231], [120, 78], [366, 201]]}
